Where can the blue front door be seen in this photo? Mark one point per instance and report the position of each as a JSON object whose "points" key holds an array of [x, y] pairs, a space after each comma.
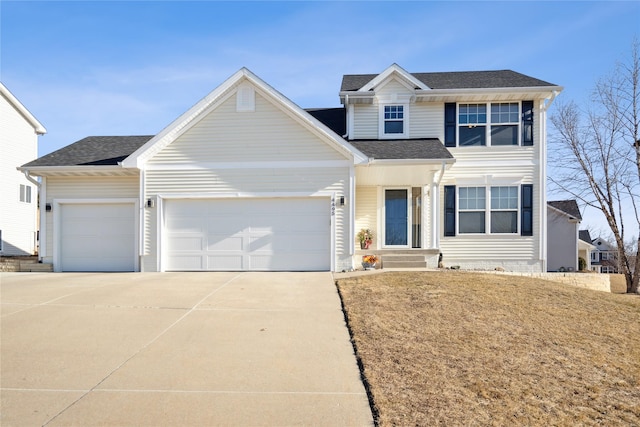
{"points": [[396, 218]]}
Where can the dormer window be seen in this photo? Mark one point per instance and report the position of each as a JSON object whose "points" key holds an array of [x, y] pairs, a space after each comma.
{"points": [[393, 121]]}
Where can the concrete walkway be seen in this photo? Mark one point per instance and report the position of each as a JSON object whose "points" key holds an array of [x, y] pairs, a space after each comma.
{"points": [[183, 349]]}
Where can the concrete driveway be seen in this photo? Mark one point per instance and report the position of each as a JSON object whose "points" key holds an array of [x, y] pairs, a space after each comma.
{"points": [[253, 349]]}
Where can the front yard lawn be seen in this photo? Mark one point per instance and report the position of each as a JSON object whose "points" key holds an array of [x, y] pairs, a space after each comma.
{"points": [[457, 348]]}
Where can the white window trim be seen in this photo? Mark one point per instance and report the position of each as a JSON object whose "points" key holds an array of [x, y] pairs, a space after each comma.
{"points": [[487, 209], [405, 121], [488, 124]]}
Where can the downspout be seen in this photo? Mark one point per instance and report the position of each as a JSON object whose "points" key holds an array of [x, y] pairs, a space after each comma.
{"points": [[346, 117], [543, 178], [41, 207], [435, 208], [444, 165]]}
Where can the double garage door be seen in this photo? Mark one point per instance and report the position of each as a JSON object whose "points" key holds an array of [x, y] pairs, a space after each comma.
{"points": [[274, 234]]}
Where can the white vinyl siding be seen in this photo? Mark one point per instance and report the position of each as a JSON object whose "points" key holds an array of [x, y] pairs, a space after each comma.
{"points": [[365, 121], [225, 135], [19, 146], [392, 87], [84, 187], [366, 212], [427, 120]]}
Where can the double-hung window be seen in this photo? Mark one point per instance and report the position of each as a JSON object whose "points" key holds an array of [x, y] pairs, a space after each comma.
{"points": [[489, 124], [393, 119], [476, 215], [472, 124], [504, 209], [505, 117], [471, 208]]}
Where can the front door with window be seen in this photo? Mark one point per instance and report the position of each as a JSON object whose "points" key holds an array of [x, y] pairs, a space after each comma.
{"points": [[396, 224]]}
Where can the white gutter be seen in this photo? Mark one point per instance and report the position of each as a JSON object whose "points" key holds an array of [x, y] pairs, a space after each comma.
{"points": [[29, 177], [444, 165], [546, 105], [346, 119]]}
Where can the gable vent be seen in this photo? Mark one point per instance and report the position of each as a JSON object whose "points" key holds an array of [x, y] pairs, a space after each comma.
{"points": [[245, 98]]}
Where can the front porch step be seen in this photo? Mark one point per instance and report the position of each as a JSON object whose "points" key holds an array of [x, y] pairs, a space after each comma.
{"points": [[403, 261]]}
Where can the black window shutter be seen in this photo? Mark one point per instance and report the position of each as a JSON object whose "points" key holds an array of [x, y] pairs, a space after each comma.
{"points": [[449, 210], [450, 124], [526, 228], [527, 122]]}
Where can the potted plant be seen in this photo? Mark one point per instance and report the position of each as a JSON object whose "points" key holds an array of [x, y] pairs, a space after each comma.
{"points": [[365, 236], [369, 262]]}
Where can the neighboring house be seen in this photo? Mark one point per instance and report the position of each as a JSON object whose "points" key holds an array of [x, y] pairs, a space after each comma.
{"points": [[563, 224], [451, 163], [585, 248], [605, 257], [19, 132]]}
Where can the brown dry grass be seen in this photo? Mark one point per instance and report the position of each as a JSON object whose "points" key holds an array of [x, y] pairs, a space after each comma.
{"points": [[455, 348]]}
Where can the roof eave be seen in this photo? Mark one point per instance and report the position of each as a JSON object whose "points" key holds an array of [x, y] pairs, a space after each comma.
{"points": [[37, 126], [389, 162], [541, 92], [79, 170]]}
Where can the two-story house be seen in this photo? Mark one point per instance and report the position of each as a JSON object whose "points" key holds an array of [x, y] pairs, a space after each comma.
{"points": [[19, 132], [604, 259], [431, 163]]}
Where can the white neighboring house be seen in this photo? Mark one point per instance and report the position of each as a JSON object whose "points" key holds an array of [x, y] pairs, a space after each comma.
{"points": [[19, 132], [586, 248], [451, 163]]}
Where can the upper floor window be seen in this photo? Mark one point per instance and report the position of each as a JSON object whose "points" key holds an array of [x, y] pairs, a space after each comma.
{"points": [[489, 124], [505, 118], [393, 119], [25, 193], [472, 120]]}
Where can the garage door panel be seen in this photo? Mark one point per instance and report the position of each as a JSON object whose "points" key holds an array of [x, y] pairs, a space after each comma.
{"points": [[252, 234], [186, 262], [226, 262], [187, 243], [220, 242]]}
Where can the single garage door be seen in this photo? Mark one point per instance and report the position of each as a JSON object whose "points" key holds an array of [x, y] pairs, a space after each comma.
{"points": [[97, 237], [282, 234]]}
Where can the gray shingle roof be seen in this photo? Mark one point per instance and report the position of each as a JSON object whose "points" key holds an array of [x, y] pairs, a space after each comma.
{"points": [[429, 148], [334, 118], [456, 80], [93, 150], [569, 207], [584, 235]]}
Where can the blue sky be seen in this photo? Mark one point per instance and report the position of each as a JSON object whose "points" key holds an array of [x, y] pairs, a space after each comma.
{"points": [[129, 68]]}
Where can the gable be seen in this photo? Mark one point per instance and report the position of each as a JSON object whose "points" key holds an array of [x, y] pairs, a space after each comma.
{"points": [[237, 130], [275, 138], [393, 89]]}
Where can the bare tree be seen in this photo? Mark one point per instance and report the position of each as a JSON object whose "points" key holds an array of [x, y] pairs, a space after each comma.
{"points": [[596, 151]]}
